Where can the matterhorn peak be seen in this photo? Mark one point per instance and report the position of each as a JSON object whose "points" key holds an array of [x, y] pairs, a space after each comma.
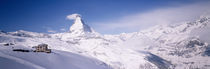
{"points": [[78, 27]]}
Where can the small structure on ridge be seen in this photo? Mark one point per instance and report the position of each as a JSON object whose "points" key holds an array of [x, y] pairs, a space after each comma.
{"points": [[42, 48]]}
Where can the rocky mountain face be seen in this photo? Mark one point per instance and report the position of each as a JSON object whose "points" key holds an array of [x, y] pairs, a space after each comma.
{"points": [[160, 47]]}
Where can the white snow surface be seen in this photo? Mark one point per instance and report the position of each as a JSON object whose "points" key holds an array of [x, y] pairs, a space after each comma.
{"points": [[55, 60], [160, 47]]}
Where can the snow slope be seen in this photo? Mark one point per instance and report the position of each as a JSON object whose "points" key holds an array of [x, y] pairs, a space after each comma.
{"points": [[56, 60], [98, 48], [174, 43], [160, 47]]}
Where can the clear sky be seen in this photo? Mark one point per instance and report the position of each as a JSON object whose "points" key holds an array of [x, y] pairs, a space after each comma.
{"points": [[50, 15]]}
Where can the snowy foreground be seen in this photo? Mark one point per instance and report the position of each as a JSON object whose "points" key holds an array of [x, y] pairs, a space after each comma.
{"points": [[160, 47]]}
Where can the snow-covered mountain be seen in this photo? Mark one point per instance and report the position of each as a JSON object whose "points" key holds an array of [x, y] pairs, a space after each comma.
{"points": [[79, 27], [160, 47], [175, 43]]}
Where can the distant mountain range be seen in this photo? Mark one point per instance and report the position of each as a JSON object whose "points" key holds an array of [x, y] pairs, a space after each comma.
{"points": [[159, 47]]}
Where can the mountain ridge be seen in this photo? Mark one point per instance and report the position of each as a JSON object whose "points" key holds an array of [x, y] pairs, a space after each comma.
{"points": [[122, 51]]}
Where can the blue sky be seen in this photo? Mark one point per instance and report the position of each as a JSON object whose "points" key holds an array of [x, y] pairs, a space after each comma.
{"points": [[50, 15]]}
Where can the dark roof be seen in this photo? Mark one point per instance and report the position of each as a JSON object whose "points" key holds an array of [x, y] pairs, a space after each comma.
{"points": [[42, 45]]}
